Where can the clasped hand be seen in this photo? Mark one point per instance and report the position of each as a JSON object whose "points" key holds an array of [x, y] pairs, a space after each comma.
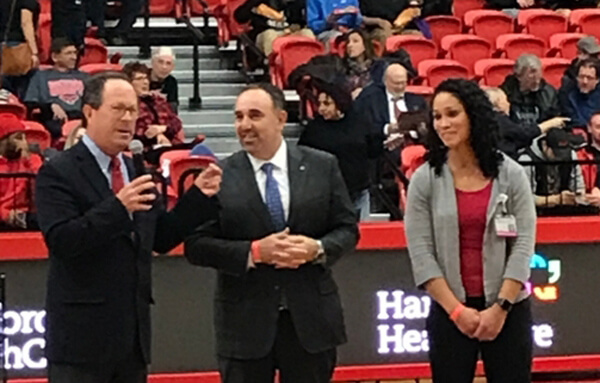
{"points": [[483, 325], [284, 250]]}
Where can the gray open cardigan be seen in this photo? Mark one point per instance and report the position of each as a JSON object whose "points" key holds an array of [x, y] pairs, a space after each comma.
{"points": [[432, 230]]}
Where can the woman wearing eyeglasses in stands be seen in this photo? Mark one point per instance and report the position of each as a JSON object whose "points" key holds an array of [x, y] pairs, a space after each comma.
{"points": [[470, 223]]}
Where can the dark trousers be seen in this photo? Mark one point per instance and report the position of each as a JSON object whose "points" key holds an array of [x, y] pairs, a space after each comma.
{"points": [[68, 20], [295, 364], [95, 11], [130, 370], [129, 12], [506, 359]]}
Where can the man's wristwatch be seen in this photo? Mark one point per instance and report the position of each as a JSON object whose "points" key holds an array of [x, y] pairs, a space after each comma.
{"points": [[504, 304], [321, 250]]}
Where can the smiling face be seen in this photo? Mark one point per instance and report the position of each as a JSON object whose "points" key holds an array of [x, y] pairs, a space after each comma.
{"points": [[259, 124], [112, 125], [450, 120]]}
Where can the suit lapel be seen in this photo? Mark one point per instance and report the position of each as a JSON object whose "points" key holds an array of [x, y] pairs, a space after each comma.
{"points": [[385, 104], [249, 189], [297, 171], [91, 171]]}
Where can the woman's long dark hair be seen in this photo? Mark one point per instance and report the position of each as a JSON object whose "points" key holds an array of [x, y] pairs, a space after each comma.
{"points": [[369, 48], [484, 128]]}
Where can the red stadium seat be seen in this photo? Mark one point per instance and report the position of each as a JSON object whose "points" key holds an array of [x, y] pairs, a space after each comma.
{"points": [[565, 44], [37, 134], [418, 47], [436, 71], [466, 49], [577, 15], [525, 14], [182, 164], [68, 126], [554, 69], [94, 52], [590, 24], [97, 68], [44, 37], [489, 24], [9, 103], [546, 25], [162, 7], [492, 72], [442, 26], [289, 52], [460, 7], [421, 90], [513, 45]]}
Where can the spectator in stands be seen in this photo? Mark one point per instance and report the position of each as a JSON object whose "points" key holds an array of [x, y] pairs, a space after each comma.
{"points": [[512, 136], [387, 17], [163, 63], [562, 6], [553, 184], [271, 19], [329, 19], [581, 102], [532, 99], [130, 9], [157, 124], [591, 173], [16, 193], [358, 60], [57, 92], [587, 47], [21, 40], [74, 136], [342, 131], [474, 268]]}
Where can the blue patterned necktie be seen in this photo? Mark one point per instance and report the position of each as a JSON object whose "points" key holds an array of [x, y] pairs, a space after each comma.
{"points": [[273, 198]]}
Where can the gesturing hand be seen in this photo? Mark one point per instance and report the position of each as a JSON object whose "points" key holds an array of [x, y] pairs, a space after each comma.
{"points": [[59, 113], [468, 321], [209, 181], [136, 195], [490, 324]]}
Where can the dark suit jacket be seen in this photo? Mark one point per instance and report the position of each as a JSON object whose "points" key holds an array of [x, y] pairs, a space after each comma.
{"points": [[247, 300], [99, 283], [373, 103]]}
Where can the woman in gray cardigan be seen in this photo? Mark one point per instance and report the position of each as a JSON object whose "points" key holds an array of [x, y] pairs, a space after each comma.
{"points": [[470, 224]]}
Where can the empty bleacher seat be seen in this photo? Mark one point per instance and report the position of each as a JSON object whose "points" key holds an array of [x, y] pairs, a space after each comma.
{"points": [[94, 52], [554, 69], [180, 165], [565, 44], [513, 45], [544, 25], [418, 47], [466, 49], [489, 24], [442, 26], [289, 52], [586, 21], [460, 7], [162, 7], [421, 90], [492, 72], [97, 68], [433, 72]]}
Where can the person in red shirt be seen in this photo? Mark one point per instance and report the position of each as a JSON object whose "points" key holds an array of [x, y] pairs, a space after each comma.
{"points": [[157, 123], [16, 193]]}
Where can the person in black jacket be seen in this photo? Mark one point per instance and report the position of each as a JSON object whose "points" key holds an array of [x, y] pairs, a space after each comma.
{"points": [[271, 19], [532, 99], [587, 47], [341, 131], [513, 136], [101, 222]]}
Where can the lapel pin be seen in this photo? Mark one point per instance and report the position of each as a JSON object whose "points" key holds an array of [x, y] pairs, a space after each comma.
{"points": [[302, 168]]}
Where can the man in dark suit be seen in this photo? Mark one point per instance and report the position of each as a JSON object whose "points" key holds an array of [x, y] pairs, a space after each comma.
{"points": [[286, 218], [383, 104], [100, 230]]}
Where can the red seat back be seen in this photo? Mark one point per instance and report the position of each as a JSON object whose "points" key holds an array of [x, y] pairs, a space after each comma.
{"points": [[442, 26], [180, 165], [37, 134], [167, 157], [436, 71], [492, 72], [97, 68], [94, 52], [289, 52], [577, 14], [460, 7], [424, 91], [419, 48], [554, 69], [489, 24], [544, 26], [565, 44], [467, 49], [44, 37], [514, 45], [162, 7], [590, 25], [13, 105]]}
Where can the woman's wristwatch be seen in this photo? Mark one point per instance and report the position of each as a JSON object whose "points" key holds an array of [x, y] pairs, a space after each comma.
{"points": [[504, 304]]}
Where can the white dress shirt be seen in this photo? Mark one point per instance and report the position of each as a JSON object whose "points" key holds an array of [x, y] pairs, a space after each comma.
{"points": [[280, 173], [401, 106]]}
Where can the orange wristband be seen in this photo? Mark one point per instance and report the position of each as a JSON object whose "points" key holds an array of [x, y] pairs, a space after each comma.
{"points": [[456, 312], [255, 250]]}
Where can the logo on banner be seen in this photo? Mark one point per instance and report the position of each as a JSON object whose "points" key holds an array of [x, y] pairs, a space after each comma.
{"points": [[545, 273]]}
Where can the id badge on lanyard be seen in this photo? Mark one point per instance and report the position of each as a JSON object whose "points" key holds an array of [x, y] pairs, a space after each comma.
{"points": [[505, 223]]}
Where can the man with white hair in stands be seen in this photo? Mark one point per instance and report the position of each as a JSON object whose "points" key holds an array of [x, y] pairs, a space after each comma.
{"points": [[163, 63], [532, 99]]}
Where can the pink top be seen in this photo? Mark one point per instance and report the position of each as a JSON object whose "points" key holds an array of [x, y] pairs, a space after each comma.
{"points": [[472, 211]]}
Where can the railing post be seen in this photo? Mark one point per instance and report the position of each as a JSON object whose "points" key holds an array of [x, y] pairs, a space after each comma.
{"points": [[195, 101], [145, 46]]}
